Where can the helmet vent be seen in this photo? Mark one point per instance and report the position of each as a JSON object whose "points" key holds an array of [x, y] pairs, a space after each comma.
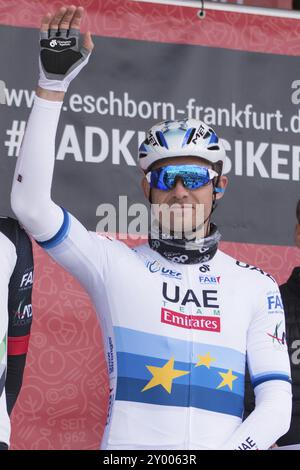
{"points": [[188, 136], [213, 139], [161, 139]]}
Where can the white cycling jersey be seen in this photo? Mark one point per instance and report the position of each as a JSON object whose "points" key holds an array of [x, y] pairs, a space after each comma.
{"points": [[176, 336]]}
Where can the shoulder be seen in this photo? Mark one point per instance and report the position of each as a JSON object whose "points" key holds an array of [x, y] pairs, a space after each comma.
{"points": [[8, 226], [111, 244], [8, 246], [247, 273], [12, 230]]}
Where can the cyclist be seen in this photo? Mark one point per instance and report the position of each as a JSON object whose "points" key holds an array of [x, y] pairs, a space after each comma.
{"points": [[16, 281], [177, 315]]}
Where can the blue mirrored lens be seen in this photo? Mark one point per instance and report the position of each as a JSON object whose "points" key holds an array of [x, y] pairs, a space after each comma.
{"points": [[192, 176]]}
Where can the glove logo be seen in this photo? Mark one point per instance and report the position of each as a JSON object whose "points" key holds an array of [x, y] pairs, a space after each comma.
{"points": [[53, 43]]}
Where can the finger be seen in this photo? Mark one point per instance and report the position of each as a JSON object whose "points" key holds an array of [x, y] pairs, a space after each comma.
{"points": [[45, 26], [87, 42], [53, 26], [67, 18], [74, 32], [62, 33], [77, 17]]}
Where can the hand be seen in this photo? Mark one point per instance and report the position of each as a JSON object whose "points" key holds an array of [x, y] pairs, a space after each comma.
{"points": [[63, 54]]}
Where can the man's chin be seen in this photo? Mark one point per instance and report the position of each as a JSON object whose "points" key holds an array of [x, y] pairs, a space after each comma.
{"points": [[178, 230]]}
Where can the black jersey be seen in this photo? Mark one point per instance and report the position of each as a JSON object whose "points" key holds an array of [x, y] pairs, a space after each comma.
{"points": [[16, 280]]}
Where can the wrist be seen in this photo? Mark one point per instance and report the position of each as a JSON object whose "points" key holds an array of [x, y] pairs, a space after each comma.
{"points": [[50, 95]]}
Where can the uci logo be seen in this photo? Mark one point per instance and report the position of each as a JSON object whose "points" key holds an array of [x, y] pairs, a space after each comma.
{"points": [[153, 267], [53, 43]]}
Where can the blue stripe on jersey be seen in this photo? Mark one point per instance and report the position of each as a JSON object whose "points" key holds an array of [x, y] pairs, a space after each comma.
{"points": [[135, 367], [217, 401], [266, 377], [165, 347], [61, 234]]}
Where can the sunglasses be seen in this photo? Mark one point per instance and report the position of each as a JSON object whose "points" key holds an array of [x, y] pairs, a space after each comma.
{"points": [[192, 176]]}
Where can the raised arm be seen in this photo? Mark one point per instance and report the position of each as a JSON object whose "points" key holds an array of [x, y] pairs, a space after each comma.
{"points": [[56, 230], [61, 59]]}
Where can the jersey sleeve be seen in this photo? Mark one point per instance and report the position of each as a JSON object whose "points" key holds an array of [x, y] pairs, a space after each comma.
{"points": [[80, 252], [267, 352], [57, 231], [270, 374]]}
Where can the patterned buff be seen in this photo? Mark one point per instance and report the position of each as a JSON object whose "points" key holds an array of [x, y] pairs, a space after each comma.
{"points": [[185, 251]]}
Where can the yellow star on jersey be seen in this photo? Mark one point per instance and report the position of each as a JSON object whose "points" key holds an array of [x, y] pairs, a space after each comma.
{"points": [[228, 379], [205, 360], [164, 376]]}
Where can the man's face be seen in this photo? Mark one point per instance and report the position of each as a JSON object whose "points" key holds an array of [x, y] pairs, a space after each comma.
{"points": [[186, 199]]}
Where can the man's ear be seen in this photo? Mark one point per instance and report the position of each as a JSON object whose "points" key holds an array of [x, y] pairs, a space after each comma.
{"points": [[222, 184], [145, 187]]}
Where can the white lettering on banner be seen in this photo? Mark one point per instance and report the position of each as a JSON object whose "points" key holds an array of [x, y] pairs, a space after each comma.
{"points": [[295, 357], [295, 97], [2, 92], [238, 158], [236, 116], [75, 100], [295, 123], [244, 158], [244, 118], [244, 154], [69, 144], [276, 161], [99, 105], [254, 158], [18, 97], [123, 105], [120, 147], [97, 137], [90, 133], [296, 163]]}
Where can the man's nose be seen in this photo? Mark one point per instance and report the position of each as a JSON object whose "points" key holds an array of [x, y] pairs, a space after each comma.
{"points": [[179, 191]]}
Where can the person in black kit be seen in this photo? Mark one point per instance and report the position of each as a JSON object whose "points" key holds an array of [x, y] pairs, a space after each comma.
{"points": [[296, 4], [290, 293], [16, 280]]}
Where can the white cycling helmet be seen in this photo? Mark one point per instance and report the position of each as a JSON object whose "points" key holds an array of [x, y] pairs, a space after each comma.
{"points": [[187, 137]]}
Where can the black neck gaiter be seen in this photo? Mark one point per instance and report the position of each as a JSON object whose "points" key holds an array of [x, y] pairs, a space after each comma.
{"points": [[185, 251]]}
